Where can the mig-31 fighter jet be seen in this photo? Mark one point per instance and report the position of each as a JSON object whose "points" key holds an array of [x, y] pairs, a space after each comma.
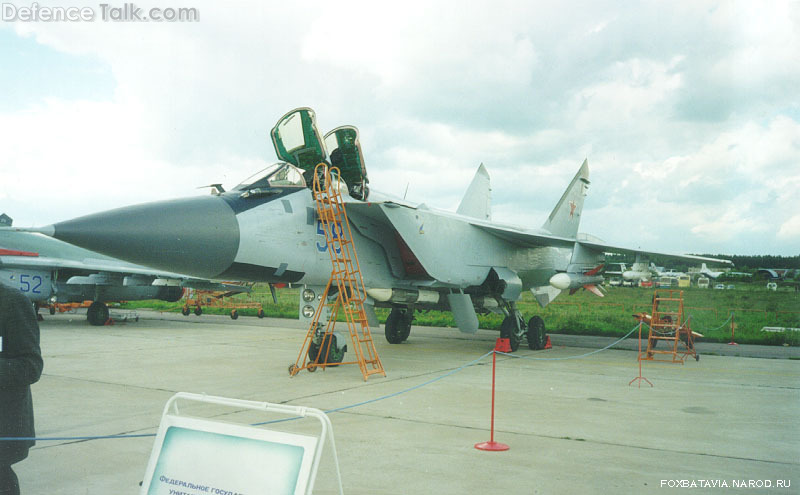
{"points": [[412, 257]]}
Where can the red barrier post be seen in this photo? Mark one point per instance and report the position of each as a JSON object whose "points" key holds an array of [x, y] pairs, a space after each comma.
{"points": [[640, 377], [502, 345], [733, 330]]}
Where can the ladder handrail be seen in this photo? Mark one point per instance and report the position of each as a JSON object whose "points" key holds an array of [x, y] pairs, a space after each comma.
{"points": [[346, 276]]}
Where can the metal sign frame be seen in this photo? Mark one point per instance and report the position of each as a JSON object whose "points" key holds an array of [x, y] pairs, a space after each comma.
{"points": [[180, 438]]}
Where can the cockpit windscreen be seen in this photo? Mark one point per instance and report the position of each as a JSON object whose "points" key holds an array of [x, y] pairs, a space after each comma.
{"points": [[276, 175]]}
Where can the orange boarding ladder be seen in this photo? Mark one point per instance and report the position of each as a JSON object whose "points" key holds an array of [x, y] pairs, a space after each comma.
{"points": [[345, 290], [667, 325]]}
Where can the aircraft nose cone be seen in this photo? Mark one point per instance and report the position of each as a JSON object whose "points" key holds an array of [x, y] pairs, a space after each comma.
{"points": [[194, 236]]}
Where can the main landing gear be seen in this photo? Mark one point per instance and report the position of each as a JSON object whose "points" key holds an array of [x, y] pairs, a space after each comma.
{"points": [[514, 329], [97, 314], [398, 325]]}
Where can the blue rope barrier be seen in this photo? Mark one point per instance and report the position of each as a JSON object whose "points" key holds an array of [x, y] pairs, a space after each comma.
{"points": [[579, 355], [69, 439], [389, 396], [337, 409], [717, 328]]}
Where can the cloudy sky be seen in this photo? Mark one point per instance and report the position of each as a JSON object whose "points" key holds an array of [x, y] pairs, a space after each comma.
{"points": [[688, 112]]}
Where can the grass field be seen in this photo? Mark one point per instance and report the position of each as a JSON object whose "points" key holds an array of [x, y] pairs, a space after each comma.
{"points": [[750, 307]]}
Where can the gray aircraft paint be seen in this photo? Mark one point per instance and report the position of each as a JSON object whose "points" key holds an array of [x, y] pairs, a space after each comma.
{"points": [[198, 235], [464, 256]]}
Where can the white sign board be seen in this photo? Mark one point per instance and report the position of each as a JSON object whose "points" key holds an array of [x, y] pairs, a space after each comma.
{"points": [[193, 456]]}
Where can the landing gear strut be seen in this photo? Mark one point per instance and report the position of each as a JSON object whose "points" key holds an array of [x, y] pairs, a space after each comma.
{"points": [[514, 329]]}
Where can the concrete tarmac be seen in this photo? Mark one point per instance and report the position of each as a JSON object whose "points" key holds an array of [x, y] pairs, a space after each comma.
{"points": [[573, 425]]}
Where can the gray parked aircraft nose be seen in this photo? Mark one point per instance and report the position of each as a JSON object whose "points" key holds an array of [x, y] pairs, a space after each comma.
{"points": [[196, 236]]}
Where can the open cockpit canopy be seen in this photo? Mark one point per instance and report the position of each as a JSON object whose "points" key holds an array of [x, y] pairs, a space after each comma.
{"points": [[346, 155], [297, 141]]}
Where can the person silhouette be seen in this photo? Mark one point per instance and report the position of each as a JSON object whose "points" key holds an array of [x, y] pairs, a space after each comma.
{"points": [[20, 366]]}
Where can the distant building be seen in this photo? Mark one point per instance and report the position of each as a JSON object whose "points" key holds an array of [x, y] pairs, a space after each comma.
{"points": [[5, 220]]}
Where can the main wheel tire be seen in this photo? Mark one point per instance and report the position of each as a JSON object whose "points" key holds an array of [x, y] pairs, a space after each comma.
{"points": [[398, 326], [185, 311], [508, 330], [198, 310], [97, 314], [406, 326], [537, 338], [234, 315], [260, 313]]}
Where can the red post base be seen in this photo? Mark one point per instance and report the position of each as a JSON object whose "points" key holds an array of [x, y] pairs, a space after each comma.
{"points": [[549, 344], [492, 446]]}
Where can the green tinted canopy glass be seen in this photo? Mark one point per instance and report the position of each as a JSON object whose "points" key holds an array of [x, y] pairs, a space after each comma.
{"points": [[297, 140], [345, 153]]}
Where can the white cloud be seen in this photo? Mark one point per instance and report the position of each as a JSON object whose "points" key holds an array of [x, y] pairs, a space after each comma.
{"points": [[69, 158], [790, 230], [629, 95], [683, 108]]}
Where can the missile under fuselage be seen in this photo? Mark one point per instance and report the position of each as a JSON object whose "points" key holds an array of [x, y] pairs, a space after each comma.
{"points": [[566, 281]]}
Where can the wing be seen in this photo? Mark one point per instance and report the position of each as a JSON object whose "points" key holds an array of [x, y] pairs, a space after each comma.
{"points": [[607, 248], [533, 238]]}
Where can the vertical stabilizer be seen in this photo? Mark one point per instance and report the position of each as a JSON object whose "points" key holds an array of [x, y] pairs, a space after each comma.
{"points": [[477, 200], [566, 216]]}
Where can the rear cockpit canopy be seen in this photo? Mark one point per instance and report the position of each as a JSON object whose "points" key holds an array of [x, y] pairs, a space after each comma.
{"points": [[346, 155]]}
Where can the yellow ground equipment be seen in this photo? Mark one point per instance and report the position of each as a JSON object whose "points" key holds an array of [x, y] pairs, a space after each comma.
{"points": [[667, 325], [219, 299]]}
